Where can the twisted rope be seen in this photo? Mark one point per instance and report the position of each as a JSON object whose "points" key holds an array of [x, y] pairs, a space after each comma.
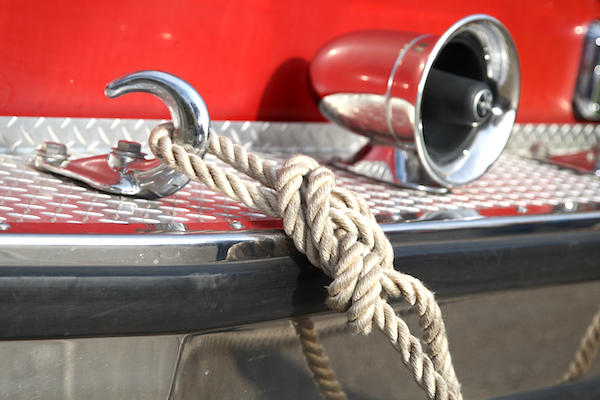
{"points": [[588, 348], [317, 361], [336, 230]]}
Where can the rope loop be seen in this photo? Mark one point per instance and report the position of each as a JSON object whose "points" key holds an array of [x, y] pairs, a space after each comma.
{"points": [[338, 233], [304, 190]]}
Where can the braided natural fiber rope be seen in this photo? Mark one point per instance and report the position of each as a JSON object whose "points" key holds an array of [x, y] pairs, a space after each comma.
{"points": [[336, 230], [588, 348]]}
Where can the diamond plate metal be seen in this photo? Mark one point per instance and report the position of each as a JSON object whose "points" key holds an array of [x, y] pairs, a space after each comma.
{"points": [[28, 195], [21, 135], [514, 185], [559, 138]]}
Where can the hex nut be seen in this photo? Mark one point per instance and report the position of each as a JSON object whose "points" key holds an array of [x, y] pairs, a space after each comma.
{"points": [[53, 148], [129, 147]]}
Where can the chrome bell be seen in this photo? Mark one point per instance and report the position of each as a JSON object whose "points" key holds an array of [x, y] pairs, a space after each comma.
{"points": [[445, 104]]}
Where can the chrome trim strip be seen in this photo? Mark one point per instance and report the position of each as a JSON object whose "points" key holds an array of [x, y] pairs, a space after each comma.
{"points": [[388, 91], [148, 284], [586, 99], [55, 285], [200, 248]]}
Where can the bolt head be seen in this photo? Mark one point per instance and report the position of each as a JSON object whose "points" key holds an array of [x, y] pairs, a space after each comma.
{"points": [[53, 148], [539, 150], [483, 103], [129, 147]]}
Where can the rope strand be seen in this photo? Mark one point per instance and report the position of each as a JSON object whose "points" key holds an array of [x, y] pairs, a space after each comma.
{"points": [[338, 233], [588, 349], [317, 361]]}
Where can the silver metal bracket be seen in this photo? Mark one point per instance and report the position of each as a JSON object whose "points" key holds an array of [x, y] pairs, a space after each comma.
{"points": [[583, 162], [389, 164], [586, 99], [125, 170]]}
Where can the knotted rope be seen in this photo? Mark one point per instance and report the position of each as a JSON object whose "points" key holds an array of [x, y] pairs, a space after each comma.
{"points": [[338, 233], [588, 348]]}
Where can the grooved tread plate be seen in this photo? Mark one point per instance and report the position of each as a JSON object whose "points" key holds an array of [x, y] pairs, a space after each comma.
{"points": [[514, 185]]}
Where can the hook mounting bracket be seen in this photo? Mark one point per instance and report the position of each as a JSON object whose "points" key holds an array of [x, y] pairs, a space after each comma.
{"points": [[125, 170]]}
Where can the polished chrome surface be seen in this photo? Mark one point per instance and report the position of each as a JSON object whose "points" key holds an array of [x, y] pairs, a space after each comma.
{"points": [[94, 369], [147, 251], [120, 172], [125, 170], [199, 246], [21, 135], [124, 154], [28, 195], [120, 284], [586, 99], [162, 249], [483, 103], [396, 117], [378, 170], [571, 146], [585, 162], [191, 123], [166, 279], [391, 165], [502, 68], [368, 114], [264, 361]]}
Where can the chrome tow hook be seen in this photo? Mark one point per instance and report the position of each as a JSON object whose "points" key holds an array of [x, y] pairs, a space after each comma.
{"points": [[125, 170]]}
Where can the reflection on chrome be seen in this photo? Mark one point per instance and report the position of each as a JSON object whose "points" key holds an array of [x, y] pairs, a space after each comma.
{"points": [[586, 99], [125, 170], [452, 98]]}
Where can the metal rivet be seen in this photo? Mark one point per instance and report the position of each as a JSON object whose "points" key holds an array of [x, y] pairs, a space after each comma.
{"points": [[235, 224]]}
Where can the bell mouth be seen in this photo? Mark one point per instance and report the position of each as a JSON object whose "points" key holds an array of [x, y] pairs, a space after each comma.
{"points": [[458, 143], [449, 102]]}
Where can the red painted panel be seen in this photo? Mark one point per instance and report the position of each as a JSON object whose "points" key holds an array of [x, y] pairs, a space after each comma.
{"points": [[340, 66], [249, 59]]}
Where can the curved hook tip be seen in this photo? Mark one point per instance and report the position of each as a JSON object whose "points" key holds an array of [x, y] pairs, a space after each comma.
{"points": [[109, 90], [125, 83], [188, 110]]}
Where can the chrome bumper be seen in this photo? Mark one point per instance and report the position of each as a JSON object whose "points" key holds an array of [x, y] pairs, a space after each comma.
{"points": [[195, 269]]}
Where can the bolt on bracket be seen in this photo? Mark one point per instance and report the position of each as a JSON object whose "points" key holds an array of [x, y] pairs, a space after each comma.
{"points": [[125, 170]]}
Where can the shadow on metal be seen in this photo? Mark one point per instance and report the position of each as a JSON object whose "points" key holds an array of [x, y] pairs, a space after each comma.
{"points": [[588, 389]]}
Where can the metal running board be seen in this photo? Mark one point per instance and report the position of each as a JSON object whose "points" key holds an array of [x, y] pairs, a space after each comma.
{"points": [[68, 247]]}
